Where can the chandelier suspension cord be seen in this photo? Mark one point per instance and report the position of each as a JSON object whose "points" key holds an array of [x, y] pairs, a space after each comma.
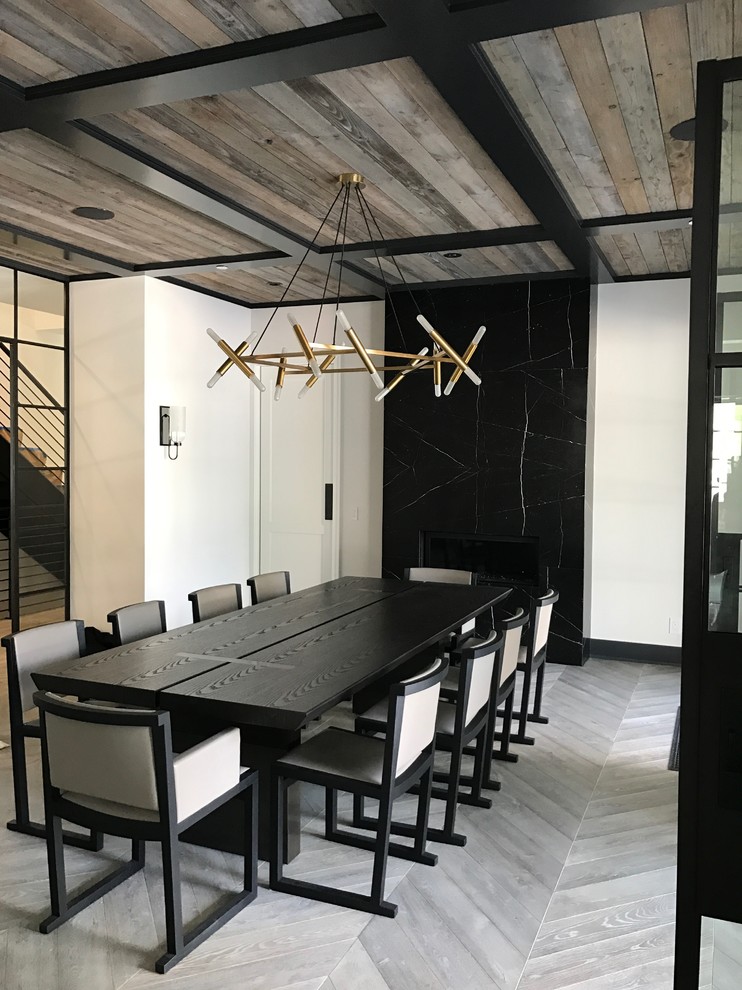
{"points": [[291, 280], [340, 271], [329, 267], [371, 237], [394, 260]]}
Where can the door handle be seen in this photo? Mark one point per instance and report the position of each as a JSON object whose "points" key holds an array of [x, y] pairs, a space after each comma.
{"points": [[328, 501]]}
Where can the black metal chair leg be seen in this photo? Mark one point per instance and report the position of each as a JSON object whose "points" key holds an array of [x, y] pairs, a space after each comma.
{"points": [[535, 715], [173, 903], [331, 812], [55, 859], [278, 813], [251, 839], [503, 753], [381, 855], [423, 812]]}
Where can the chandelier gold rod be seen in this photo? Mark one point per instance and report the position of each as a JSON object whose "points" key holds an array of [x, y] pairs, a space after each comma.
{"points": [[403, 355], [400, 368]]}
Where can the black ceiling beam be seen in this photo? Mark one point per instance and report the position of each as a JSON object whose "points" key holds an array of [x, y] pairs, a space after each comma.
{"points": [[437, 243], [456, 283], [636, 223], [465, 79]]}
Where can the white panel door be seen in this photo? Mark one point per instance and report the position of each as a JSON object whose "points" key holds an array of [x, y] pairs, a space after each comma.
{"points": [[299, 455]]}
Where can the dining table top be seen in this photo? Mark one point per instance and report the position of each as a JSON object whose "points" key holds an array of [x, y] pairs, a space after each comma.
{"points": [[281, 663]]}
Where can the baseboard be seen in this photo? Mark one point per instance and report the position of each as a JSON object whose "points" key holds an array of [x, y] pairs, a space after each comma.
{"points": [[612, 649]]}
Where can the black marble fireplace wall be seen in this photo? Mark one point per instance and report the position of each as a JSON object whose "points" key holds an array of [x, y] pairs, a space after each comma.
{"points": [[507, 458]]}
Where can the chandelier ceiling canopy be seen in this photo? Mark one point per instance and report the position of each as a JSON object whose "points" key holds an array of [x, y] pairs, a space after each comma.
{"points": [[313, 359]]}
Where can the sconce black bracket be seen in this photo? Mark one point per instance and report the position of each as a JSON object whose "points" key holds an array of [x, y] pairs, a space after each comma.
{"points": [[165, 440]]}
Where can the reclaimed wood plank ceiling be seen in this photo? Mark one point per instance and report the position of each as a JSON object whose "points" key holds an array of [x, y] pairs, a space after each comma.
{"points": [[44, 41], [598, 99]]}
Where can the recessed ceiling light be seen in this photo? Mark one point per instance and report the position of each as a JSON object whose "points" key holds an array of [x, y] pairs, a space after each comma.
{"points": [[222, 268], [686, 129], [93, 213], [452, 254]]}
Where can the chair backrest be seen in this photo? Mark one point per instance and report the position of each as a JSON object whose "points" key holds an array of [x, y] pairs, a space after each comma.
{"points": [[38, 648], [439, 575], [542, 619], [477, 678], [216, 600], [512, 629], [94, 753], [413, 705], [264, 587], [132, 622]]}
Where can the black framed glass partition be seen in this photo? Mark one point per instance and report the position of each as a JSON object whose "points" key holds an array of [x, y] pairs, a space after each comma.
{"points": [[709, 900], [34, 433]]}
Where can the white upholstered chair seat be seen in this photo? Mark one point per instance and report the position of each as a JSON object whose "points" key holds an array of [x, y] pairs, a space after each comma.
{"points": [[337, 752]]}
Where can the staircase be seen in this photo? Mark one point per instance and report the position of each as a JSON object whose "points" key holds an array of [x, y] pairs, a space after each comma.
{"points": [[33, 507]]}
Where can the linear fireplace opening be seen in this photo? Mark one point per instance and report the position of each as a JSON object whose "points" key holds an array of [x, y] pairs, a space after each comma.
{"points": [[512, 560]]}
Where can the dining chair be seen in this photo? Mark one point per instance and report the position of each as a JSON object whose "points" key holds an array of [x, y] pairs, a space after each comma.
{"points": [[444, 575], [530, 662], [502, 693], [207, 603], [132, 622], [113, 770], [27, 652], [339, 760], [458, 723], [264, 587]]}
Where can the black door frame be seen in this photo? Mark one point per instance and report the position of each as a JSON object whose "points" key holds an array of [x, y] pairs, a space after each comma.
{"points": [[707, 872]]}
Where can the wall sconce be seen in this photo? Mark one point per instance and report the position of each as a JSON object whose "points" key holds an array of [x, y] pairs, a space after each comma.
{"points": [[172, 428]]}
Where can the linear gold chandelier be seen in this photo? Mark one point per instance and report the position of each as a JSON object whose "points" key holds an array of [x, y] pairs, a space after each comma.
{"points": [[314, 358]]}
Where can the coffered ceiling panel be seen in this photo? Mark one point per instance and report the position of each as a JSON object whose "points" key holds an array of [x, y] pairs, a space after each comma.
{"points": [[267, 283], [42, 182], [647, 253], [276, 149], [600, 98], [44, 40], [510, 259]]}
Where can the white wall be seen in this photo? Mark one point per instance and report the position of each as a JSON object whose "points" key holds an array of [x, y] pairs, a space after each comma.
{"points": [[638, 468], [107, 446], [142, 526], [199, 525]]}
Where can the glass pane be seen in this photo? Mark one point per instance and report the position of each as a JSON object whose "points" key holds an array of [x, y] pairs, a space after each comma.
{"points": [[726, 504], [42, 538], [6, 302], [721, 955], [40, 309], [729, 283]]}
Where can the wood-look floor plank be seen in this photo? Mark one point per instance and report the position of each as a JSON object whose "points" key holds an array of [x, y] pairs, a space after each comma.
{"points": [[357, 970], [400, 961]]}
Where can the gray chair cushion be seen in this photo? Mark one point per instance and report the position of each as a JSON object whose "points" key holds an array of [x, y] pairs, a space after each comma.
{"points": [[336, 752], [444, 720]]}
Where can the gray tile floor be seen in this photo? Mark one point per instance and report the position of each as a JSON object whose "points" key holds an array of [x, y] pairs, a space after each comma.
{"points": [[568, 882]]}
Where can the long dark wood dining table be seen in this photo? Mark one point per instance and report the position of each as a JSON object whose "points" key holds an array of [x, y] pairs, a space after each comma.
{"points": [[271, 669]]}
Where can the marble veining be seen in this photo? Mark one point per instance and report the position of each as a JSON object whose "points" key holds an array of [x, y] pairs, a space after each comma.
{"points": [[507, 458]]}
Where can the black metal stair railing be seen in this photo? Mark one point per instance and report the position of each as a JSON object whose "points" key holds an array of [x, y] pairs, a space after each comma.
{"points": [[33, 516]]}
